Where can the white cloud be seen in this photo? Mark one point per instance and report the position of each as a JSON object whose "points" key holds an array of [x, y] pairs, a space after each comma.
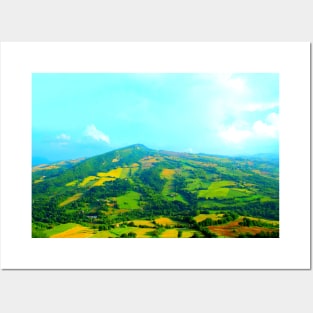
{"points": [[64, 137], [235, 135], [93, 132], [240, 132], [268, 128]]}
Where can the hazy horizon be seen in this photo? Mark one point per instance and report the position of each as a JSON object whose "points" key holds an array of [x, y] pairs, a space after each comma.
{"points": [[82, 115]]}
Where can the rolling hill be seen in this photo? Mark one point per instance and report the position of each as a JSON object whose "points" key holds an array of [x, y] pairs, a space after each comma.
{"points": [[139, 192]]}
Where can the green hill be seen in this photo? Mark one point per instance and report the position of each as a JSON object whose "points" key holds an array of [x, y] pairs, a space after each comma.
{"points": [[108, 192]]}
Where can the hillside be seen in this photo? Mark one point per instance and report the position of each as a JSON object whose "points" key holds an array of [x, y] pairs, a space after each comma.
{"points": [[139, 192]]}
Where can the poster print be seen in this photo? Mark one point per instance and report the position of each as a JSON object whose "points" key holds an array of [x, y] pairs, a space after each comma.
{"points": [[215, 129]]}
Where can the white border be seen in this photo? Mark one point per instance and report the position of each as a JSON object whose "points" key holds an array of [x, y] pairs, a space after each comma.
{"points": [[290, 251]]}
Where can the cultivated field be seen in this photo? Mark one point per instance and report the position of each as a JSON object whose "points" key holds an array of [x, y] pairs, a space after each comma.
{"points": [[87, 180], [233, 229], [169, 233], [71, 199], [212, 216], [164, 221], [75, 232], [129, 200]]}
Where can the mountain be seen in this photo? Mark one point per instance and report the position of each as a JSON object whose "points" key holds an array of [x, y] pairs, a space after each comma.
{"points": [[140, 192]]}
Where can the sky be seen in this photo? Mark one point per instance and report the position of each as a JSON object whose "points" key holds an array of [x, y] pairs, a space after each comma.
{"points": [[81, 115]]}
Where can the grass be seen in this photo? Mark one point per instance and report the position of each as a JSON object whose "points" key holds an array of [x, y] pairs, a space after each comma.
{"points": [[59, 229], [213, 193], [169, 189], [213, 204], [70, 199], [118, 231], [77, 231], [103, 234], [236, 192], [217, 190], [196, 183], [125, 172], [129, 200], [265, 199]]}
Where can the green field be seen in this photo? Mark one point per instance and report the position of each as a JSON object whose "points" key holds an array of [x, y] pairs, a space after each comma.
{"points": [[128, 201], [59, 229], [223, 189]]}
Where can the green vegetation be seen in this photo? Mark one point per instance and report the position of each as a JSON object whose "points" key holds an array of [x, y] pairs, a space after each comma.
{"points": [[129, 200], [136, 192]]}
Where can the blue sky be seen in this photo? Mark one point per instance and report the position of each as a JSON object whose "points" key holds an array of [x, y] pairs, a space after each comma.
{"points": [[81, 115]]}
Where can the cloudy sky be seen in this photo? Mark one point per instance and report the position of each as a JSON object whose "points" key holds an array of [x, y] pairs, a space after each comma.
{"points": [[75, 115]]}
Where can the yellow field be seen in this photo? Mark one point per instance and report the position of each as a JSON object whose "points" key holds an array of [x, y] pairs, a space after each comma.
{"points": [[44, 167], [38, 181], [75, 232], [87, 180], [187, 234], [169, 233], [141, 232], [263, 220], [102, 174], [103, 180], [113, 173], [164, 221], [167, 173], [71, 199], [143, 222], [202, 217], [72, 183]]}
